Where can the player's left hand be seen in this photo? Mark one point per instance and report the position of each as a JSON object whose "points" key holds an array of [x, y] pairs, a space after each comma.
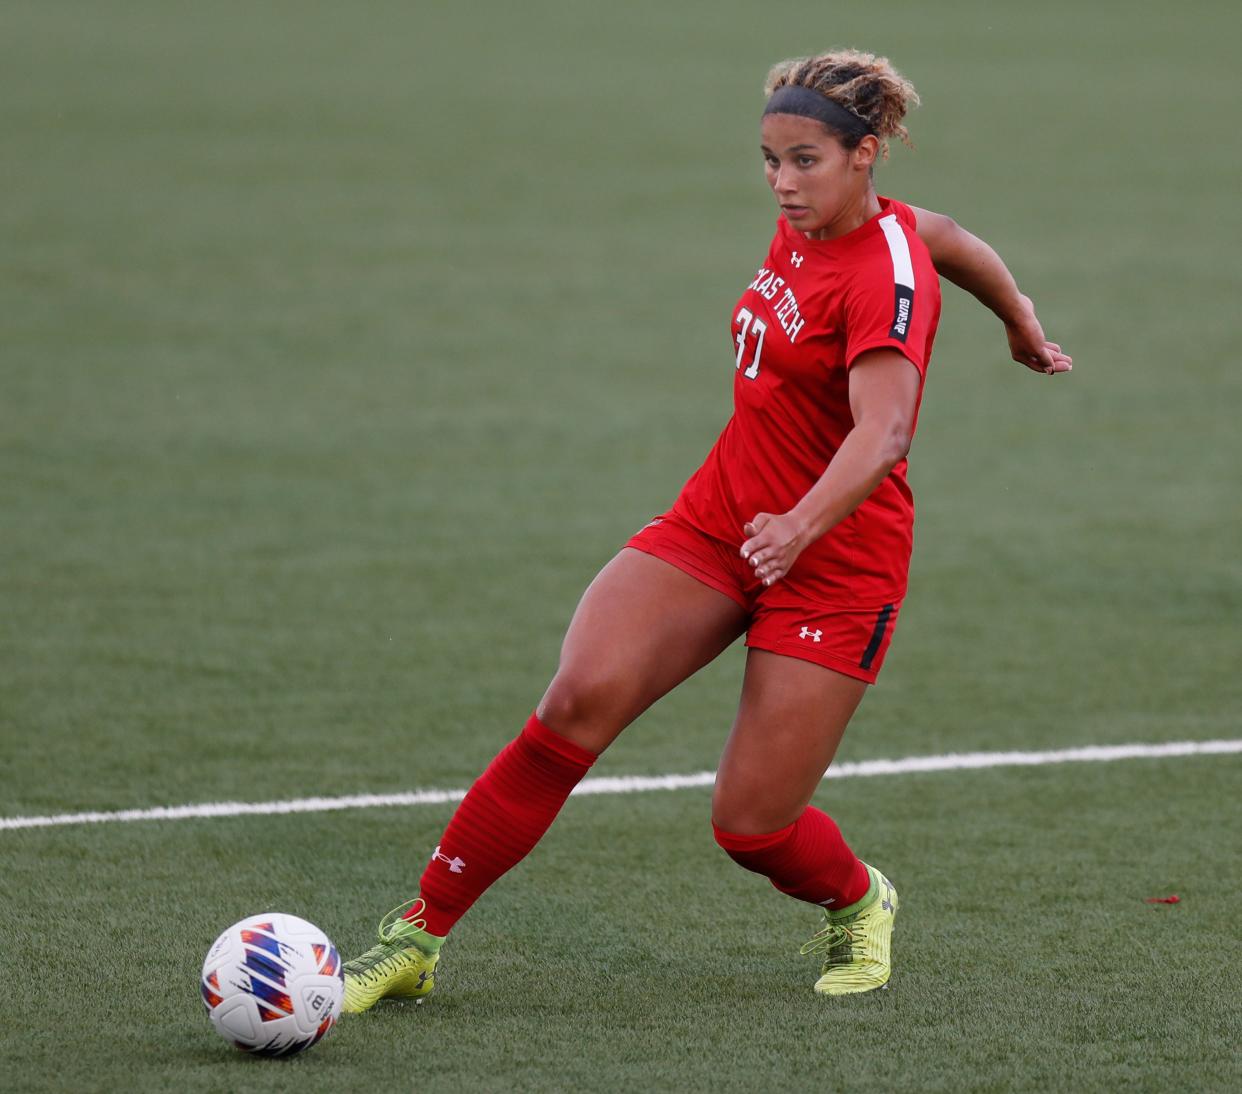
{"points": [[774, 545], [1029, 346]]}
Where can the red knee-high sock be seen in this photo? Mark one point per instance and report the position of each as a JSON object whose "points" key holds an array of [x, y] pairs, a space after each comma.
{"points": [[500, 819], [808, 859]]}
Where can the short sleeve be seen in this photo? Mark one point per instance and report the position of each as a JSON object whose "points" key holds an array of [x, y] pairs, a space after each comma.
{"points": [[904, 214], [894, 296]]}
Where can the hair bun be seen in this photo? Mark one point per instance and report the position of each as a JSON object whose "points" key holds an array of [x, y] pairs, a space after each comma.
{"points": [[863, 83]]}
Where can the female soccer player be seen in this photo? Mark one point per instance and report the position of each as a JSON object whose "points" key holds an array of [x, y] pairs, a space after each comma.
{"points": [[796, 531]]}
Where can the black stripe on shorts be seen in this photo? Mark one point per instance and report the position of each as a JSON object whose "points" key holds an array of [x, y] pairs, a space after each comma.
{"points": [[877, 636]]}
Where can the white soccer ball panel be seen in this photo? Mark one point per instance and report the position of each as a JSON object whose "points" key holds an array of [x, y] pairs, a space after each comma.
{"points": [[237, 1019]]}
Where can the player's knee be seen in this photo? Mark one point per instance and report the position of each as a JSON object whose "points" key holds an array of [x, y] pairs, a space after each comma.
{"points": [[729, 813], [749, 849], [579, 703], [742, 812], [722, 830]]}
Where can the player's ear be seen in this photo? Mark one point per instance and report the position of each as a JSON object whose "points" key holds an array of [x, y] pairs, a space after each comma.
{"points": [[866, 152]]}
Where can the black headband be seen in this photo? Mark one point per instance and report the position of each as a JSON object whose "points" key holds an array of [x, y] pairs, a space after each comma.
{"points": [[805, 101]]}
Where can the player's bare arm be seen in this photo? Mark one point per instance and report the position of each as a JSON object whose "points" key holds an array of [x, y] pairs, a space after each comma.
{"points": [[971, 264], [884, 393]]}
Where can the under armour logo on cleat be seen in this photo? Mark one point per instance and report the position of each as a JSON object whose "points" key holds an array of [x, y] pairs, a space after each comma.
{"points": [[887, 902], [455, 865], [814, 636], [798, 259]]}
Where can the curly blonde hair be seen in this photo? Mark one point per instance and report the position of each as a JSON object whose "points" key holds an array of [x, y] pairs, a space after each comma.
{"points": [[863, 83]]}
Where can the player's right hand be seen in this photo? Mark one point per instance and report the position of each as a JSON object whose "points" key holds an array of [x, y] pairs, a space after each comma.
{"points": [[1029, 346], [776, 541]]}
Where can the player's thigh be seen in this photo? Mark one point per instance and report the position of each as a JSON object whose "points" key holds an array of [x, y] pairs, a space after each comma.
{"points": [[790, 720], [642, 627]]}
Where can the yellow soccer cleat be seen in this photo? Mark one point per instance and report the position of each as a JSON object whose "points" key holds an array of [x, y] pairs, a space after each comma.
{"points": [[856, 942], [402, 966]]}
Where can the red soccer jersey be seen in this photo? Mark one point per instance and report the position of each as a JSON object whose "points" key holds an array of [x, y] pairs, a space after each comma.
{"points": [[812, 309]]}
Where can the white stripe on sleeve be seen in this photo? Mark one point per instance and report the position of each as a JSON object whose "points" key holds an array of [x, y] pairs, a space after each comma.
{"points": [[899, 249]]}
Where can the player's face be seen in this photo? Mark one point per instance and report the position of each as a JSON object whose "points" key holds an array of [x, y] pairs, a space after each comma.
{"points": [[818, 183]]}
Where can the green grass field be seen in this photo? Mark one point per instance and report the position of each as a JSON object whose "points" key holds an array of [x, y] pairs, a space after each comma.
{"points": [[342, 345]]}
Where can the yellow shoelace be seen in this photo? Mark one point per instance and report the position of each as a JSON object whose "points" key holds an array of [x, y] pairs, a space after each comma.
{"points": [[395, 925], [830, 938]]}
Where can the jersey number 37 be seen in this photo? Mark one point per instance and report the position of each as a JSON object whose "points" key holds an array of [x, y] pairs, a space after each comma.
{"points": [[752, 329]]}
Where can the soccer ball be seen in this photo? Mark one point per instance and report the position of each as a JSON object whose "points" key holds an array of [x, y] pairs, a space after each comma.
{"points": [[273, 984]]}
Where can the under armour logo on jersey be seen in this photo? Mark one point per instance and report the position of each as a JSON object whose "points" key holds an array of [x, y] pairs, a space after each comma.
{"points": [[798, 259], [455, 865], [814, 636]]}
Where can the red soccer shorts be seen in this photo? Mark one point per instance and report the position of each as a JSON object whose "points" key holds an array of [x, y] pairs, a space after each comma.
{"points": [[792, 617]]}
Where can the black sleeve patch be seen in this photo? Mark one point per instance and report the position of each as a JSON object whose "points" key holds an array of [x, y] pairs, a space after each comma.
{"points": [[902, 310]]}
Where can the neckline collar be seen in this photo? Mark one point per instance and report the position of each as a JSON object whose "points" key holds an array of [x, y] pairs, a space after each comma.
{"points": [[850, 237]]}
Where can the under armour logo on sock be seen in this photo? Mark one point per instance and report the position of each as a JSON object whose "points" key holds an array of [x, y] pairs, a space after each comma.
{"points": [[815, 636], [455, 865]]}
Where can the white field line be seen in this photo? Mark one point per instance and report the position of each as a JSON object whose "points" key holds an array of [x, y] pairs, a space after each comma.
{"points": [[633, 784]]}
